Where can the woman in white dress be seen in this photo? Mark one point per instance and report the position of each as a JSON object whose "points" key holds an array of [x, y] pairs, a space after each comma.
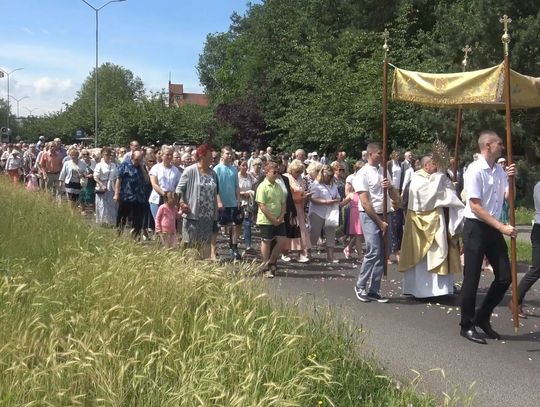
{"points": [[105, 176]]}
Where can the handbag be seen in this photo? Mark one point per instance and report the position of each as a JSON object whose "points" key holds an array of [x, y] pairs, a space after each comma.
{"points": [[332, 217], [292, 229]]}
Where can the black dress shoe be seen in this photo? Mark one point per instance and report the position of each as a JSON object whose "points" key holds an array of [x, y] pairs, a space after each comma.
{"points": [[472, 335], [490, 332]]}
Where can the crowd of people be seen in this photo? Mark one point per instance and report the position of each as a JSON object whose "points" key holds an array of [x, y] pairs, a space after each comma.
{"points": [[298, 202]]}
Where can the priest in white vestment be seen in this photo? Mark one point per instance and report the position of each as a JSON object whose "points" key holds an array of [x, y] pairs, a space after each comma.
{"points": [[429, 250]]}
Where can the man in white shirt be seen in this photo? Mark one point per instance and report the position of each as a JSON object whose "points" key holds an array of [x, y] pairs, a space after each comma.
{"points": [[371, 186], [485, 185]]}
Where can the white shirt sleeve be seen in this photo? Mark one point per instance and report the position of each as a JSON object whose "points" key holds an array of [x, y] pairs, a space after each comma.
{"points": [[360, 182], [473, 183]]}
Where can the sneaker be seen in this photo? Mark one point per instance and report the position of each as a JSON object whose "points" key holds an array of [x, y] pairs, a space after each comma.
{"points": [[235, 254], [303, 259], [361, 294], [269, 274], [250, 250], [347, 252], [376, 297], [285, 258]]}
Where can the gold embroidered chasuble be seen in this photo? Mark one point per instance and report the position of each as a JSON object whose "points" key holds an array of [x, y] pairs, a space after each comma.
{"points": [[426, 232]]}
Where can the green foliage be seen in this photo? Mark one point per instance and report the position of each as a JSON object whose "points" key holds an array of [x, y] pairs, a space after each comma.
{"points": [[126, 113], [84, 321], [316, 67], [524, 216]]}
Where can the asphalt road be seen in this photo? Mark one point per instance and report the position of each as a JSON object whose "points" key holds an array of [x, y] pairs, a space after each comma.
{"points": [[419, 340]]}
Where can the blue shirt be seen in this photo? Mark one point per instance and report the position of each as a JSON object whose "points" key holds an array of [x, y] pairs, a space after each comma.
{"points": [[228, 184], [132, 183]]}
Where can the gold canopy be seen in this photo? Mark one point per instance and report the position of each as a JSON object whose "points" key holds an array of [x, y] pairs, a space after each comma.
{"points": [[477, 89]]}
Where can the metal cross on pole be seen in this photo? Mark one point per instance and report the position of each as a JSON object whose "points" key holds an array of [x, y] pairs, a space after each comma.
{"points": [[385, 35], [505, 20], [467, 49]]}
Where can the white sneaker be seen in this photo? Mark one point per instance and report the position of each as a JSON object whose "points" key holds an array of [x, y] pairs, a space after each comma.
{"points": [[303, 259], [285, 258]]}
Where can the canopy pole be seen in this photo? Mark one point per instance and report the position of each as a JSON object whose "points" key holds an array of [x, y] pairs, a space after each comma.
{"points": [[458, 142], [505, 20], [386, 48], [466, 50]]}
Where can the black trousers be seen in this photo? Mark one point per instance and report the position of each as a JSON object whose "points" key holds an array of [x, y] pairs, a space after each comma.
{"points": [[132, 211], [480, 239], [534, 272]]}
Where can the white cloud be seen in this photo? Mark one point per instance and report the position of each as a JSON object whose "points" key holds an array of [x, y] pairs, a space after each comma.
{"points": [[46, 85], [27, 30]]}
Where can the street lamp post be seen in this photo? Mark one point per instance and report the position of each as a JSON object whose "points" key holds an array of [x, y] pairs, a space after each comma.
{"points": [[8, 75], [18, 100], [96, 70], [31, 110]]}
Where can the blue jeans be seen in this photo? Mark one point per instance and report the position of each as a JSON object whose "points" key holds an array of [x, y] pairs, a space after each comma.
{"points": [[154, 208], [247, 231], [372, 268]]}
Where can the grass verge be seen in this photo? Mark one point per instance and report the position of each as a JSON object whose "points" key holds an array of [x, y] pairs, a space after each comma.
{"points": [[89, 319], [524, 216]]}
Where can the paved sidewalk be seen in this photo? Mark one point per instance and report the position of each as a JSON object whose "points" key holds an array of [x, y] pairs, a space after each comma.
{"points": [[410, 336]]}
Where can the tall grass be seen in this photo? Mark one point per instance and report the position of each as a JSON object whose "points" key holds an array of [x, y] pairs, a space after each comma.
{"points": [[89, 319], [524, 216]]}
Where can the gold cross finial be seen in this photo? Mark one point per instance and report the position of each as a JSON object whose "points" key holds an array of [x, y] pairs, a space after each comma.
{"points": [[467, 50], [506, 37], [505, 20], [385, 35]]}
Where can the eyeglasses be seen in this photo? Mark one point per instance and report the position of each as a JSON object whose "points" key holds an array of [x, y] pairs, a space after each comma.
{"points": [[341, 169]]}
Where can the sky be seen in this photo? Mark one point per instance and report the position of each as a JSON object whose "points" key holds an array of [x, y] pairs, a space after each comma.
{"points": [[54, 41]]}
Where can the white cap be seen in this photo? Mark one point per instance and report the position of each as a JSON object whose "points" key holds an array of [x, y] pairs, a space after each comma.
{"points": [[314, 153]]}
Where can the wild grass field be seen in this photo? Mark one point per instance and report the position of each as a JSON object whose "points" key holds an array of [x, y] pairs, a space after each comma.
{"points": [[89, 319]]}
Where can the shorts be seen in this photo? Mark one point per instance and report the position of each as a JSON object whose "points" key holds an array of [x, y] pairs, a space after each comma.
{"points": [[231, 215], [269, 232]]}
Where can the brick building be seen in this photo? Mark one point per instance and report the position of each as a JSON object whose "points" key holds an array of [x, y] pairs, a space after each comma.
{"points": [[177, 96]]}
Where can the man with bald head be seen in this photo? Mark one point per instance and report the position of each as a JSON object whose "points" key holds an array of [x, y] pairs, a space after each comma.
{"points": [[486, 185], [300, 155]]}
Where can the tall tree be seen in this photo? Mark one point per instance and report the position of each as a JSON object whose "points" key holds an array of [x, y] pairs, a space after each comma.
{"points": [[116, 86]]}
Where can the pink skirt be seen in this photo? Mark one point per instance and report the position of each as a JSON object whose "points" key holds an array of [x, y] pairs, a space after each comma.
{"points": [[355, 227]]}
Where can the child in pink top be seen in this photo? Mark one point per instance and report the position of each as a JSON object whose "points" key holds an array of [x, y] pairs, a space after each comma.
{"points": [[166, 221], [32, 183]]}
